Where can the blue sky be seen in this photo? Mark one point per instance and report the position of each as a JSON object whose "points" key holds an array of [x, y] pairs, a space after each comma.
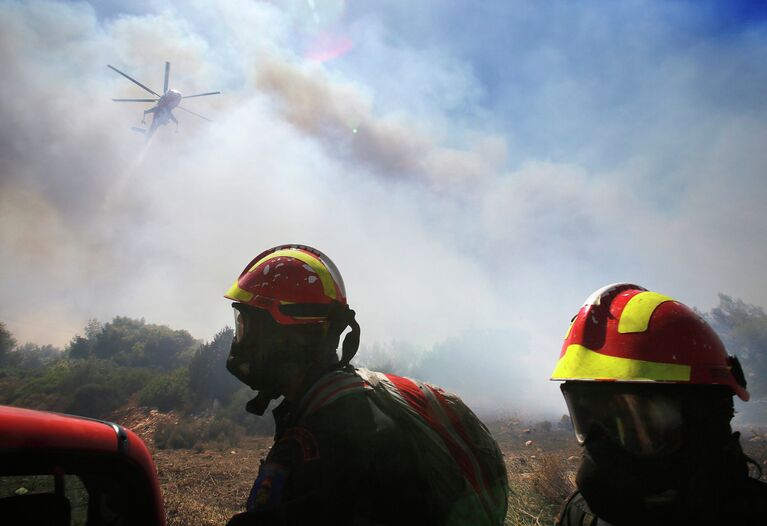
{"points": [[469, 167], [556, 76]]}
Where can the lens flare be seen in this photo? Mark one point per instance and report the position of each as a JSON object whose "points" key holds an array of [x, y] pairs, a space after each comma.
{"points": [[327, 46]]}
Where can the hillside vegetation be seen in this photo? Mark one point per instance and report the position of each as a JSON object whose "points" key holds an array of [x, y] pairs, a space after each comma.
{"points": [[127, 360], [175, 392]]}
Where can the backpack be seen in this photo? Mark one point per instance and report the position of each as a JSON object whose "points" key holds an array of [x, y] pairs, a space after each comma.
{"points": [[455, 452]]}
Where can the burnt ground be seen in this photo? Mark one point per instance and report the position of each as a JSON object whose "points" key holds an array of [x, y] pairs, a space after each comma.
{"points": [[206, 485]]}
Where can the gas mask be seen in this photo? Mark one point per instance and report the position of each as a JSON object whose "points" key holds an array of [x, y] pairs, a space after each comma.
{"points": [[643, 424], [267, 356], [631, 469]]}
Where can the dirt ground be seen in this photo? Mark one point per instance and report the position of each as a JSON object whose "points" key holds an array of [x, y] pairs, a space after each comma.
{"points": [[201, 487], [206, 486]]}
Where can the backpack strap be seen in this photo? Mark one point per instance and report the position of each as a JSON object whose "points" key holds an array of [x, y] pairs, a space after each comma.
{"points": [[575, 512], [329, 388]]}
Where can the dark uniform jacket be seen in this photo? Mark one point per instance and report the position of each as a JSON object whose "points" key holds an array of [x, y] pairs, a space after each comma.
{"points": [[747, 507], [338, 458]]}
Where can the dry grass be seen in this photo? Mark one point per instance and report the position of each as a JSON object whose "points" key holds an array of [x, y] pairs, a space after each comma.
{"points": [[205, 488], [553, 477], [200, 487], [540, 481], [540, 461]]}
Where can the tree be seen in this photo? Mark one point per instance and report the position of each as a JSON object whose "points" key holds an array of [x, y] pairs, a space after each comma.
{"points": [[743, 330], [7, 343], [167, 391], [209, 379], [31, 356], [93, 328], [134, 343], [79, 347], [94, 400]]}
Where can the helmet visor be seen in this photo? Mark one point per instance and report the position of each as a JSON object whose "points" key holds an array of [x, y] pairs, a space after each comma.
{"points": [[239, 325], [248, 321], [645, 424]]}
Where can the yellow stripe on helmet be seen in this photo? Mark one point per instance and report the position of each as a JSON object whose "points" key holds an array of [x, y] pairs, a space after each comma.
{"points": [[637, 312], [328, 285], [580, 363], [238, 294]]}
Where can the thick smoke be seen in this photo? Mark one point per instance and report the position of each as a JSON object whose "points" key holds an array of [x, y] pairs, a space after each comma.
{"points": [[456, 233]]}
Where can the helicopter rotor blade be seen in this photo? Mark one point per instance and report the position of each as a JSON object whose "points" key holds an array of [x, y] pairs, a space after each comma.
{"points": [[193, 113], [132, 80], [167, 74], [135, 100], [201, 94]]}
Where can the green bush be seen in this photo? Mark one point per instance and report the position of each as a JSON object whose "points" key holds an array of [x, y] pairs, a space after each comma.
{"points": [[9, 387], [222, 432], [183, 435], [134, 343], [167, 391], [219, 433], [252, 424], [209, 380], [33, 357], [7, 343], [94, 400], [544, 426], [54, 388]]}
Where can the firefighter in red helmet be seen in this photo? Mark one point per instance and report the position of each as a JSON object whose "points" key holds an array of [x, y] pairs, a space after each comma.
{"points": [[650, 387], [352, 446], [289, 300]]}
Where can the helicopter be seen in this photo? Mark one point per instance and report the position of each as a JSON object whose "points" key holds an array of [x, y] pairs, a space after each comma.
{"points": [[162, 111]]}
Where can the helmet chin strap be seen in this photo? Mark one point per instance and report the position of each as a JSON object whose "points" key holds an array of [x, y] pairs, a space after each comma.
{"points": [[341, 317], [351, 340]]}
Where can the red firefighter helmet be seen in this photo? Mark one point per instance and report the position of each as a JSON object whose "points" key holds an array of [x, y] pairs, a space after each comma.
{"points": [[625, 333], [296, 284]]}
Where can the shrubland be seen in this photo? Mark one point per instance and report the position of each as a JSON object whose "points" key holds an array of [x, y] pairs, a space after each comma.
{"points": [[128, 363]]}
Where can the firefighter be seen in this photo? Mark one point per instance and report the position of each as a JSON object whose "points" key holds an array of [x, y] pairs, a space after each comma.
{"points": [[351, 446], [649, 387]]}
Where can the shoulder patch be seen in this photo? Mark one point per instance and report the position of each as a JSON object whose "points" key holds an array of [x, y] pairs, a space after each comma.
{"points": [[306, 441], [267, 489]]}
